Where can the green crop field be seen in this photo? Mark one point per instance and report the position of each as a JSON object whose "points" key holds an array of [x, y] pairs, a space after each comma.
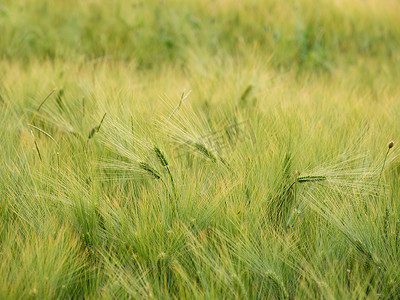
{"points": [[211, 149]]}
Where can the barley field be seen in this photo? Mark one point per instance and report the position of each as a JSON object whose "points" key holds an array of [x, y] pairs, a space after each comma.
{"points": [[211, 149]]}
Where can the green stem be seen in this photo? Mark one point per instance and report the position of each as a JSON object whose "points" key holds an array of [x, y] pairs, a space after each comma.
{"points": [[173, 201], [383, 166]]}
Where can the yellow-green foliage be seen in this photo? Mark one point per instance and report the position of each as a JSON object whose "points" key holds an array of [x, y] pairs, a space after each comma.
{"points": [[199, 149]]}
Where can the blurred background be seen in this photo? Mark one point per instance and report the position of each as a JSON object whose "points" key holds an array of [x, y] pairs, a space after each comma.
{"points": [[302, 34]]}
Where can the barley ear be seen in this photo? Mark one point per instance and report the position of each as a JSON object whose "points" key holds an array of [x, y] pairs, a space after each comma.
{"points": [[201, 148], [150, 170], [161, 156]]}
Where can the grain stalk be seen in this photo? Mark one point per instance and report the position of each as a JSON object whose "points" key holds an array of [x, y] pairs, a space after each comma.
{"points": [[45, 133], [288, 196], [164, 162], [390, 146], [155, 174], [183, 97], [41, 104], [36, 147]]}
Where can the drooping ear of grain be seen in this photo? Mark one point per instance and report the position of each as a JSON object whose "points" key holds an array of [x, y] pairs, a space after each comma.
{"points": [[201, 148], [149, 170]]}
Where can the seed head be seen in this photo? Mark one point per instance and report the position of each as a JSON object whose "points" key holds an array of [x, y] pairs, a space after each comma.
{"points": [[391, 144], [311, 178], [161, 156], [150, 170], [205, 151]]}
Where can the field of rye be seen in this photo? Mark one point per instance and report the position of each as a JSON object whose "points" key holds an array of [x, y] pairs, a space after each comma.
{"points": [[212, 149]]}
